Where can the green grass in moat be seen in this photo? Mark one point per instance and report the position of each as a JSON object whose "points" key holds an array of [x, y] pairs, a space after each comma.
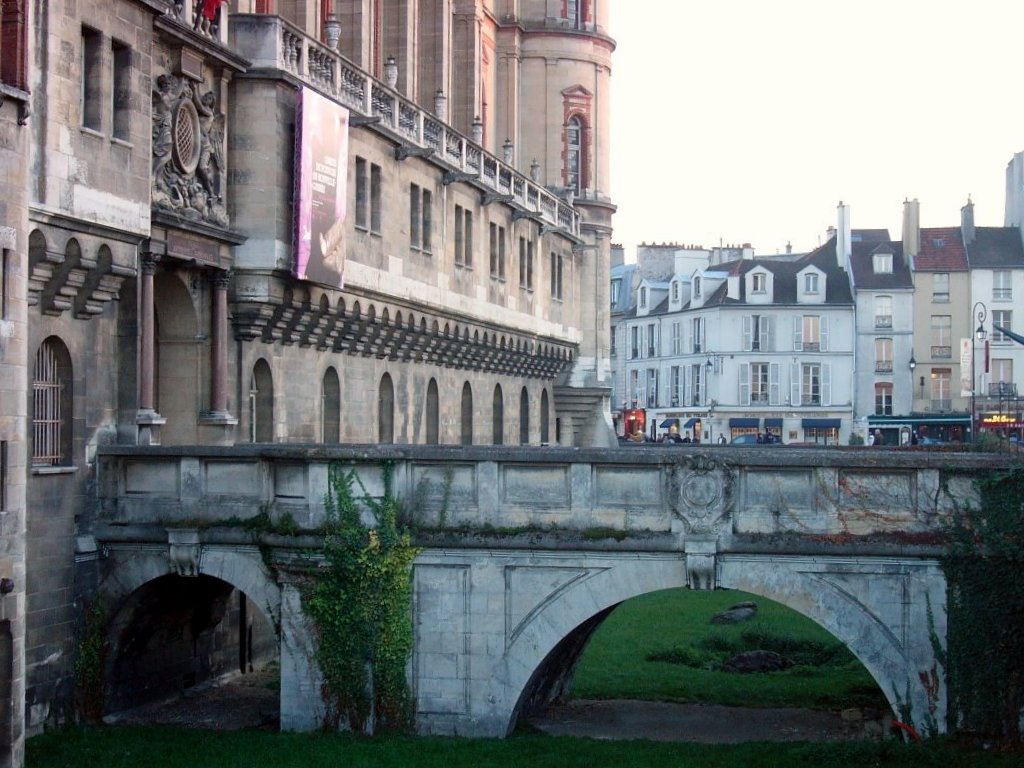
{"points": [[124, 747], [676, 623]]}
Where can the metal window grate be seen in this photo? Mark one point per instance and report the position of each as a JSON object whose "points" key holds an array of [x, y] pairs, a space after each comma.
{"points": [[46, 415]]}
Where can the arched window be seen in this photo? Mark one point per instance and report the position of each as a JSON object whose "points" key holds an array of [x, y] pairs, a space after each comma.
{"points": [[574, 154], [52, 399], [386, 410], [524, 417], [261, 403], [545, 430], [432, 413], [331, 407], [467, 414], [498, 416]]}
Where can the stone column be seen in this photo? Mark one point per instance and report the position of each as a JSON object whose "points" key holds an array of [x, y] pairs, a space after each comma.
{"points": [[147, 419]]}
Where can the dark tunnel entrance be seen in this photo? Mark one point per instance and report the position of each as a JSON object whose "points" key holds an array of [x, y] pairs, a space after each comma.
{"points": [[175, 633]]}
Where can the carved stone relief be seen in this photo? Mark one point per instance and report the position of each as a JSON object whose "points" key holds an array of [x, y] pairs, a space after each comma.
{"points": [[188, 151], [702, 491]]}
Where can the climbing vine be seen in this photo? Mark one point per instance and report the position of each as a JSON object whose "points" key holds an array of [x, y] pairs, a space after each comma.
{"points": [[983, 566], [360, 602], [89, 663]]}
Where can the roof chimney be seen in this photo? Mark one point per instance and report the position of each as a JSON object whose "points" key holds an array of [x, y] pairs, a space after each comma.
{"points": [[967, 221], [844, 239], [911, 228]]}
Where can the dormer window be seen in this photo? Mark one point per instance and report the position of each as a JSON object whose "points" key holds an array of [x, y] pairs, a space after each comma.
{"points": [[883, 263], [696, 286], [643, 298], [616, 284], [760, 282], [675, 291], [811, 282]]}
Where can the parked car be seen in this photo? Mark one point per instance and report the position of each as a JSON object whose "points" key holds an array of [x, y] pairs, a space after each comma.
{"points": [[749, 438]]}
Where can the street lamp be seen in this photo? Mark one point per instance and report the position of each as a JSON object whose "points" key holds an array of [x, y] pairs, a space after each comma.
{"points": [[980, 334], [913, 365]]}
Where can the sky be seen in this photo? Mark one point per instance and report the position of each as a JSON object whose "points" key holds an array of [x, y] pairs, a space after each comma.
{"points": [[749, 121]]}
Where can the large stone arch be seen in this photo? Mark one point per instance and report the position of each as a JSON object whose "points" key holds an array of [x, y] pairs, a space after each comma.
{"points": [[886, 611], [182, 584]]}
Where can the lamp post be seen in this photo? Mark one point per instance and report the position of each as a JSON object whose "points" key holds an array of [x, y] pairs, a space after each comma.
{"points": [[981, 312], [913, 365]]}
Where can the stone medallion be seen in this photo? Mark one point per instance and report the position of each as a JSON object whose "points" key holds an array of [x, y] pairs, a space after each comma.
{"points": [[703, 488]]}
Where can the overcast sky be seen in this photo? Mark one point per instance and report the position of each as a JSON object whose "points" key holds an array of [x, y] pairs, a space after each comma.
{"points": [[748, 121]]}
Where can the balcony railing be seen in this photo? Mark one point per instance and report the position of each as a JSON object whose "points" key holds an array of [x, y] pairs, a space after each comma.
{"points": [[941, 404], [270, 42], [883, 366], [883, 321], [1002, 389]]}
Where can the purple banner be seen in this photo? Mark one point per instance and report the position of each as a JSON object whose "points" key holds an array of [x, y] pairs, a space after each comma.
{"points": [[321, 174]]}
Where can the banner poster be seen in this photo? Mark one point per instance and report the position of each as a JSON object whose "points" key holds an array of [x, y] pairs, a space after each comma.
{"points": [[966, 353], [321, 182]]}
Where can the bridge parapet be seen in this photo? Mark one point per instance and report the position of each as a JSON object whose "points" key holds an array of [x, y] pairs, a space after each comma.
{"points": [[701, 494]]}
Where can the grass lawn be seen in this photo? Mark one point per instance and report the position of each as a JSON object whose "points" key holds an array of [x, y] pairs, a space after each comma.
{"points": [[122, 747], [676, 624]]}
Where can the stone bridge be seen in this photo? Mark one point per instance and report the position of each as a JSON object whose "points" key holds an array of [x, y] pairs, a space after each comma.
{"points": [[527, 550]]}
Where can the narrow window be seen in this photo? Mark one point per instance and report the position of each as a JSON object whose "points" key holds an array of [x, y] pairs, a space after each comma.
{"points": [[362, 194], [375, 204], [331, 428], [467, 414], [524, 417], [433, 415], [386, 411], [122, 92], [498, 417], [415, 218], [51, 405], [92, 102]]}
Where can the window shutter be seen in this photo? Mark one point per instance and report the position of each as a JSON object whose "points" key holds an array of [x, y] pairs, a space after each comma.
{"points": [[767, 336], [773, 384], [748, 324], [687, 387], [794, 384], [745, 384], [826, 384], [824, 333], [798, 333]]}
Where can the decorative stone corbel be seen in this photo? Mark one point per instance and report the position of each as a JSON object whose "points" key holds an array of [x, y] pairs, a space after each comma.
{"points": [[183, 550]]}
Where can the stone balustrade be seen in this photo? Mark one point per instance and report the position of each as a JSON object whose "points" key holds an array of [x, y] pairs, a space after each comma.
{"points": [[271, 43]]}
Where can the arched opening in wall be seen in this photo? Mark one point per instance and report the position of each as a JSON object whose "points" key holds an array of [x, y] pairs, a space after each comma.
{"points": [[703, 666], [498, 417], [466, 437], [524, 417], [175, 633], [52, 405], [331, 408], [386, 410], [178, 359], [261, 403], [545, 429], [433, 416]]}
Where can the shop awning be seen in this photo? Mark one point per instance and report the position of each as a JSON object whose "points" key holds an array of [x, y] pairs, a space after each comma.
{"points": [[768, 423], [738, 422], [669, 423], [691, 423], [820, 423]]}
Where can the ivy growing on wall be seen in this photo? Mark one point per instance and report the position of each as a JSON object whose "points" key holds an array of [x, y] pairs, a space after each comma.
{"points": [[361, 602], [984, 568]]}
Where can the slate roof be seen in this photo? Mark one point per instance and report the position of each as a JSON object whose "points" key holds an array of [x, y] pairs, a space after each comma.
{"points": [[996, 248], [863, 268], [942, 250], [785, 270]]}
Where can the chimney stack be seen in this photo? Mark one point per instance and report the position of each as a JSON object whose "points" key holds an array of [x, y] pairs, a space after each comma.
{"points": [[844, 237], [967, 222], [911, 229]]}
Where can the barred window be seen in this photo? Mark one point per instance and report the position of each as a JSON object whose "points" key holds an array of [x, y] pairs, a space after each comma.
{"points": [[51, 405]]}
